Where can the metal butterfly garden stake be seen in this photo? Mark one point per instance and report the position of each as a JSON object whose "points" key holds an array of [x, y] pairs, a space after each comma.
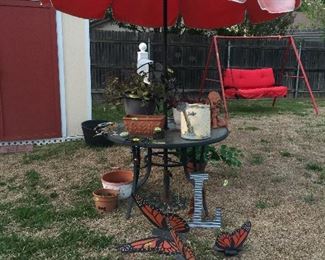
{"points": [[168, 241], [231, 243]]}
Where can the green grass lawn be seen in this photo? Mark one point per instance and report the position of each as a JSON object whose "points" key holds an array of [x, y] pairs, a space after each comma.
{"points": [[246, 107], [241, 107], [106, 112], [37, 211]]}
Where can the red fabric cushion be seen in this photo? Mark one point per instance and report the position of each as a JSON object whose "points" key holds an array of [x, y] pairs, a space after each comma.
{"points": [[263, 92], [247, 79]]}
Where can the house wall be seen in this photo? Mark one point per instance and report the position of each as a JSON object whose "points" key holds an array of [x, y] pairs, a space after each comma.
{"points": [[74, 73]]}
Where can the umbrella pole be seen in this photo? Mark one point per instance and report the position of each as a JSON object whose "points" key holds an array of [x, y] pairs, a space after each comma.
{"points": [[166, 171], [165, 31]]}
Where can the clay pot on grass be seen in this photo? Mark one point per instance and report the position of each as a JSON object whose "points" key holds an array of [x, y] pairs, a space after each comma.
{"points": [[105, 200], [119, 180]]}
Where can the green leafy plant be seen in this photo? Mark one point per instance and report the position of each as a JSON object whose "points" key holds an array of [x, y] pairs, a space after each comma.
{"points": [[226, 154], [314, 10], [132, 87]]}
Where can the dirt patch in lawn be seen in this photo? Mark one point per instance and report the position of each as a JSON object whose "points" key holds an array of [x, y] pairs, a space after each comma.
{"points": [[279, 187]]}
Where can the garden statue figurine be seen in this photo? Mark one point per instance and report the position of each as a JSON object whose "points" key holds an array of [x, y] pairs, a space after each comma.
{"points": [[215, 102], [143, 62]]}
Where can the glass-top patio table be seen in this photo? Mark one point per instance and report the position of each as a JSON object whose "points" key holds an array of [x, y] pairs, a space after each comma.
{"points": [[163, 148]]}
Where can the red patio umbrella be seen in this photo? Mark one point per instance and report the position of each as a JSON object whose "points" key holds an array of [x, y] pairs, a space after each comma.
{"points": [[202, 14]]}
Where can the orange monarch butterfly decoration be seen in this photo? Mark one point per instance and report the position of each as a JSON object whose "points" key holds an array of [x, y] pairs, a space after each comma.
{"points": [[159, 219], [230, 244], [162, 245], [150, 244], [185, 251]]}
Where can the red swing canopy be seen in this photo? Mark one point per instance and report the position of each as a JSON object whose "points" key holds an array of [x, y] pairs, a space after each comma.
{"points": [[204, 14]]}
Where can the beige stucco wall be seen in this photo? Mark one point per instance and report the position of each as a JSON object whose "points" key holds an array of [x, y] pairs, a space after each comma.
{"points": [[76, 73]]}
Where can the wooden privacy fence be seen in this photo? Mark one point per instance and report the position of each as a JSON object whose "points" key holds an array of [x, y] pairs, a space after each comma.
{"points": [[115, 54]]}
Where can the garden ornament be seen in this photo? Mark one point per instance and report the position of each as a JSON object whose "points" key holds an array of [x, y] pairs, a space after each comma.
{"points": [[199, 179], [158, 218], [143, 62], [185, 251], [163, 242], [215, 102], [231, 243]]}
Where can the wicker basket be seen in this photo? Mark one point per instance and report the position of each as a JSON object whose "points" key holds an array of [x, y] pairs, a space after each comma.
{"points": [[143, 125]]}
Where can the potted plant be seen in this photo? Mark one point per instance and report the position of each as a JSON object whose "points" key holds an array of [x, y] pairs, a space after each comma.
{"points": [[137, 96], [198, 162]]}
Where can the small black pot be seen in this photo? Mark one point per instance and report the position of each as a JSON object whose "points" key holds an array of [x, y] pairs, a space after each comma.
{"points": [[89, 134], [138, 106]]}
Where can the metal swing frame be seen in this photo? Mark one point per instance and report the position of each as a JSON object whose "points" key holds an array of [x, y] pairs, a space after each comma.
{"points": [[214, 50]]}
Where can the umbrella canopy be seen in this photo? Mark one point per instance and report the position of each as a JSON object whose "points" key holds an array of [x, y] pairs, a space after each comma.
{"points": [[203, 14]]}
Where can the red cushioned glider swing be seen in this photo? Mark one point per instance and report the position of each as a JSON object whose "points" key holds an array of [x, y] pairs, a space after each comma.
{"points": [[253, 83]]}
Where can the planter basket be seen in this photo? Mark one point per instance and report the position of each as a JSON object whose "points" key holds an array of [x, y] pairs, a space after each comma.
{"points": [[143, 125]]}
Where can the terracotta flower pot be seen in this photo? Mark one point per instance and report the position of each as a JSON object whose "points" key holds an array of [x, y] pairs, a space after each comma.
{"points": [[143, 125], [119, 180], [105, 200]]}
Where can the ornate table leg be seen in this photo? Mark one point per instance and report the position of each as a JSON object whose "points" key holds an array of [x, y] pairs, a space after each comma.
{"points": [[148, 166], [166, 177], [136, 172], [184, 161]]}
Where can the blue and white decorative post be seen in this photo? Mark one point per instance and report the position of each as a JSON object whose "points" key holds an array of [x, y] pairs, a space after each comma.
{"points": [[199, 179]]}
